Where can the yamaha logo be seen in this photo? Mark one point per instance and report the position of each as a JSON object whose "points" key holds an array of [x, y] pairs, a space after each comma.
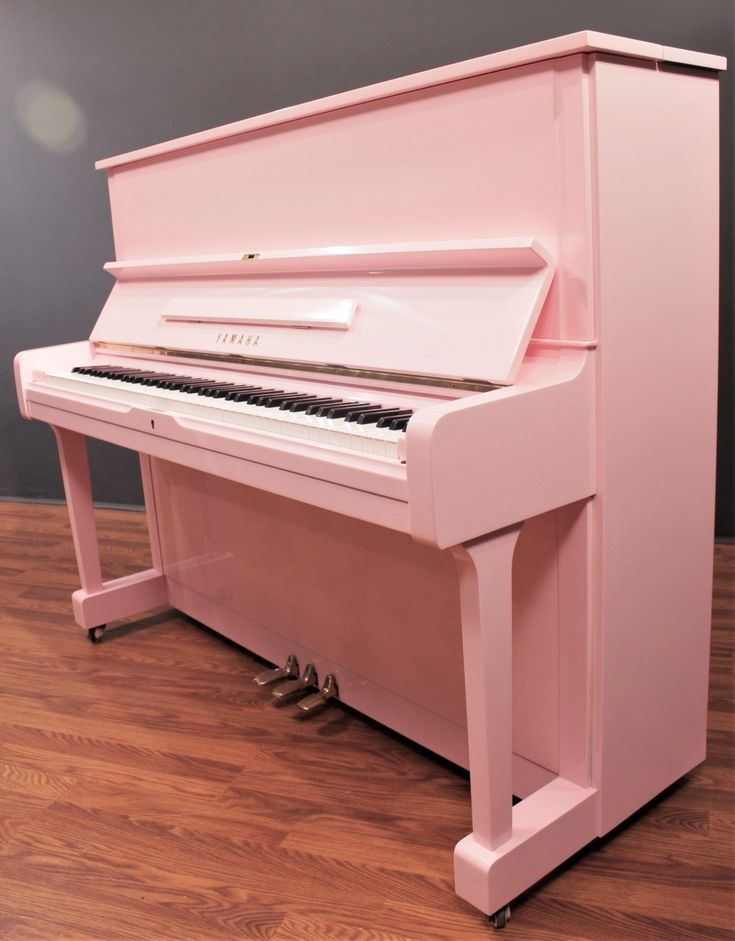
{"points": [[238, 339]]}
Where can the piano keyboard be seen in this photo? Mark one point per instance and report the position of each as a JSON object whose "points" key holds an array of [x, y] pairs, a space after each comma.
{"points": [[343, 423]]}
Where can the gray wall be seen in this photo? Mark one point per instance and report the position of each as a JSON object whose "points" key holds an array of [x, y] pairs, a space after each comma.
{"points": [[143, 71]]}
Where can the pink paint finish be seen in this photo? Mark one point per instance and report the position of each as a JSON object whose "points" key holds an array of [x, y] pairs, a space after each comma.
{"points": [[486, 600], [78, 489], [548, 827], [120, 598], [306, 201], [656, 412], [544, 219], [98, 601], [30, 363], [583, 41], [495, 287], [332, 614], [533, 442]]}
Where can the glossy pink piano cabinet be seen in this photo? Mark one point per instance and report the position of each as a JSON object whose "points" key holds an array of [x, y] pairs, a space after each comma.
{"points": [[454, 335]]}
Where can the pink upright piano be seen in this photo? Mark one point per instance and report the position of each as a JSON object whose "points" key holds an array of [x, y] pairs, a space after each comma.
{"points": [[422, 378]]}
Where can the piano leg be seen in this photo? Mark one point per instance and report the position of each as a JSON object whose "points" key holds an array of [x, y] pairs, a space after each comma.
{"points": [[98, 602], [78, 490], [510, 848], [486, 599], [146, 477]]}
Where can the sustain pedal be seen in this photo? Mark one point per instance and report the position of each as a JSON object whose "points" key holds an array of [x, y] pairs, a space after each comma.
{"points": [[319, 700]]}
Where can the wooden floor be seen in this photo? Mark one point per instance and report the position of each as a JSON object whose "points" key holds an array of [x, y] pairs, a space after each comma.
{"points": [[149, 791]]}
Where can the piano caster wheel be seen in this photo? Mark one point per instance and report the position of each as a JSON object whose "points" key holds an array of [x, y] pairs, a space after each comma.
{"points": [[501, 918], [95, 634], [291, 688], [319, 700], [289, 669]]}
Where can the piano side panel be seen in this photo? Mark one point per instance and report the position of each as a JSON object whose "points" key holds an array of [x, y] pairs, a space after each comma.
{"points": [[494, 155], [379, 609], [657, 286]]}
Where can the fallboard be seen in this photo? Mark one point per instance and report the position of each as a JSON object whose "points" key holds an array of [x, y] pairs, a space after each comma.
{"points": [[458, 311]]}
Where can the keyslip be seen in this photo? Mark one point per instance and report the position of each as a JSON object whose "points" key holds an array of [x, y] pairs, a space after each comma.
{"points": [[422, 379]]}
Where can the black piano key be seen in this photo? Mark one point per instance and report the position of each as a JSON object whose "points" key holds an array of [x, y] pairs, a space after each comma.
{"points": [[254, 397], [199, 387], [199, 384], [239, 395], [311, 402], [160, 377], [190, 388], [86, 370], [305, 397], [221, 393], [385, 422], [399, 424], [233, 394], [320, 408], [173, 384], [194, 383], [278, 401], [205, 390], [339, 411], [274, 398], [354, 414], [258, 398], [111, 372], [131, 376], [367, 418], [164, 381], [248, 397], [143, 378]]}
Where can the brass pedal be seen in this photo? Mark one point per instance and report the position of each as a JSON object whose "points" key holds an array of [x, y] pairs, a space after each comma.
{"points": [[319, 700], [290, 668], [290, 688]]}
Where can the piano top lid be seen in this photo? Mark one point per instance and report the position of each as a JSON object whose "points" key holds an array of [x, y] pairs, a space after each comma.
{"points": [[573, 43]]}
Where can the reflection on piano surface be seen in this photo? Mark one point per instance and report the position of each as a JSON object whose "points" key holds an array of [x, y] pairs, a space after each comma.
{"points": [[427, 336]]}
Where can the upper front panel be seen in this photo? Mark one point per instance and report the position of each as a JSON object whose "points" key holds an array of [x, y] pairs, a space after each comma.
{"points": [[472, 159], [495, 159]]}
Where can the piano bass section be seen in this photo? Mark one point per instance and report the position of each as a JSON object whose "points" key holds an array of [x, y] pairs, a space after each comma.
{"points": [[428, 336]]}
